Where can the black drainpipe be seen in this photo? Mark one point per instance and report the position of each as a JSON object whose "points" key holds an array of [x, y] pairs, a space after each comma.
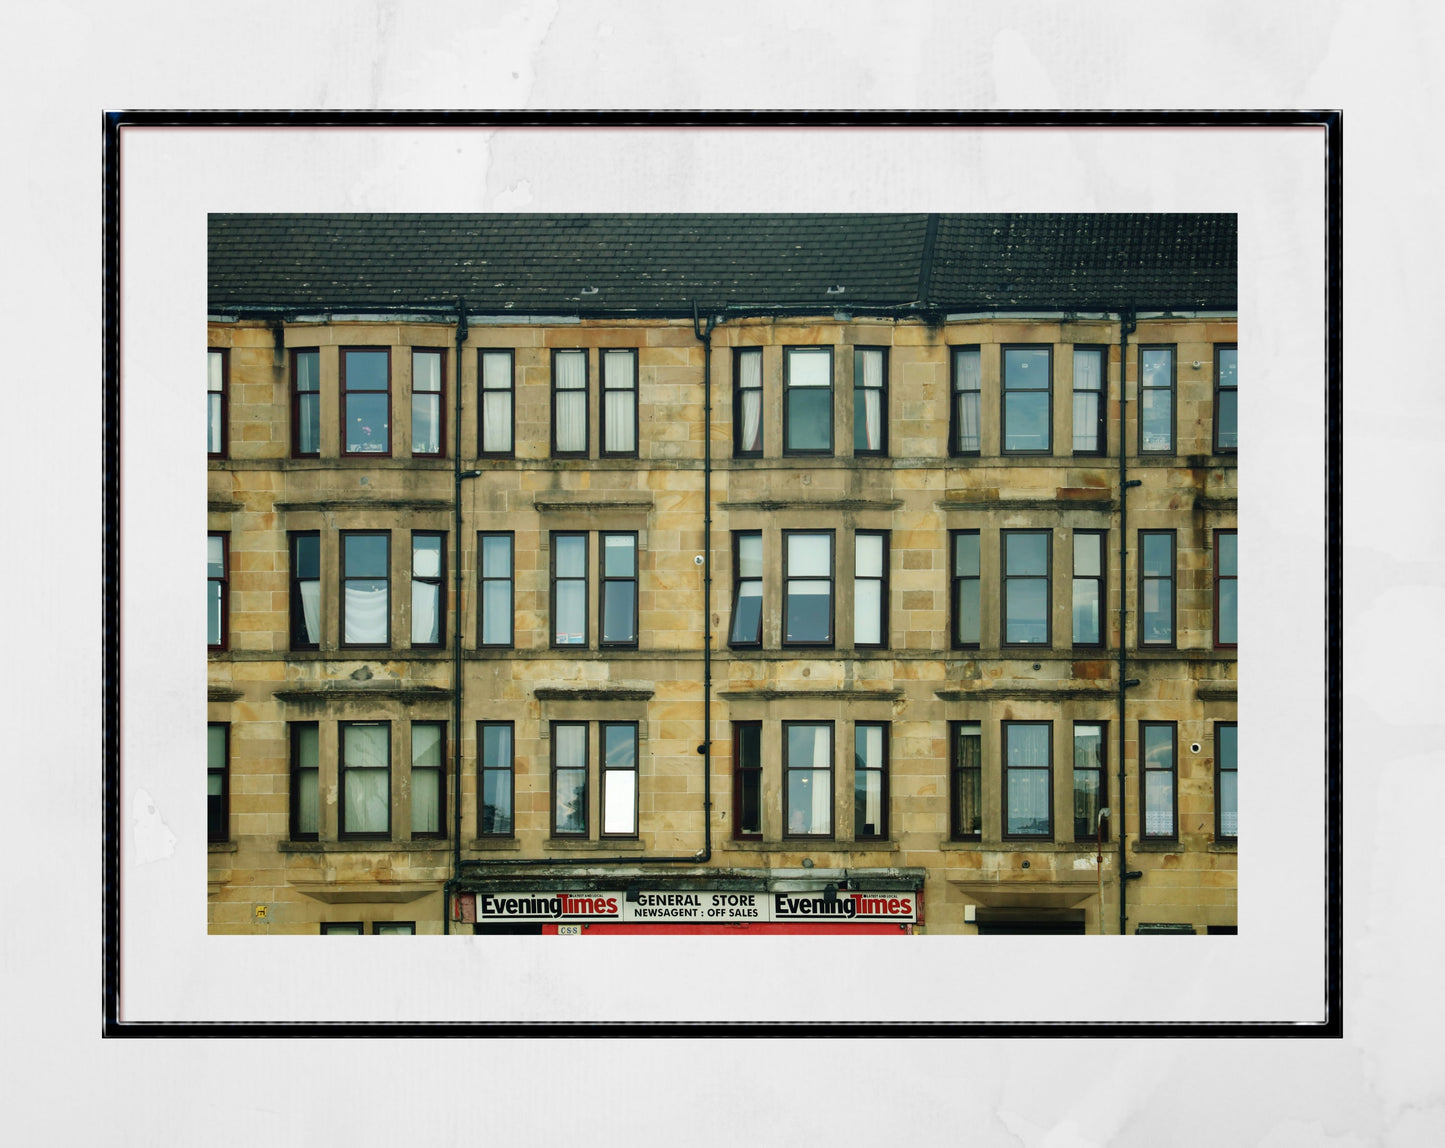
{"points": [[1127, 324]]}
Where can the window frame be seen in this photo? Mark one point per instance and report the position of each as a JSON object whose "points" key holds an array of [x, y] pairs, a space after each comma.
{"points": [[1093, 833], [1101, 422], [441, 398], [603, 353], [743, 776], [831, 640], [955, 580], [440, 769], [882, 580], [956, 730], [342, 928], [586, 390], [439, 582], [586, 588], [377, 926], [1101, 589], [881, 831], [1173, 392], [1172, 582], [1007, 770], [1218, 388], [1145, 770], [585, 769], [224, 414], [510, 390], [1048, 448], [881, 451], [342, 772], [344, 535], [789, 769], [603, 578], [483, 578], [510, 770], [297, 394], [1048, 578], [808, 452], [346, 394], [294, 582], [606, 772], [1219, 770], [1219, 579], [224, 584], [218, 824], [955, 424], [295, 771], [739, 353], [738, 580]]}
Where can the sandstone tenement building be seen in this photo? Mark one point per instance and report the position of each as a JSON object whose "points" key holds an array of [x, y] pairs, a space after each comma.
{"points": [[748, 573]]}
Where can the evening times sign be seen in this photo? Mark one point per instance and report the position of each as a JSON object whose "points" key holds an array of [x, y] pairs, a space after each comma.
{"points": [[698, 907]]}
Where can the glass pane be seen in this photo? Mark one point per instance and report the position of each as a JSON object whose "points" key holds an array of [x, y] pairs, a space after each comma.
{"points": [[619, 623], [869, 556], [619, 746], [750, 747], [367, 606], [215, 557], [809, 611], [1088, 370], [1026, 417], [968, 421], [308, 809], [809, 369], [1086, 804], [1086, 422], [1026, 369], [809, 801], [342, 930], [1088, 747], [807, 746], [1228, 611], [619, 802], [213, 616], [620, 412], [497, 613], [1158, 555], [365, 746], [1159, 804], [868, 612], [966, 611], [1086, 611], [213, 424], [214, 375], [571, 628], [810, 555], [496, 557], [571, 551], [1228, 747], [426, 812], [1228, 428], [394, 930], [426, 746], [1158, 747], [1157, 408], [497, 746], [1027, 607], [1028, 802], [1229, 804], [366, 424], [368, 803], [366, 370], [810, 419], [748, 613], [496, 801], [1026, 553], [619, 556], [750, 811], [308, 557], [308, 371], [308, 439], [867, 804], [968, 817], [496, 421], [215, 747], [967, 370], [571, 368], [1087, 551], [1158, 622], [426, 556], [1027, 745], [426, 371], [1155, 366], [307, 747], [1228, 366], [868, 747], [1228, 557], [750, 556], [496, 370], [965, 554], [617, 370], [426, 427], [570, 801], [571, 420], [571, 747], [365, 555]]}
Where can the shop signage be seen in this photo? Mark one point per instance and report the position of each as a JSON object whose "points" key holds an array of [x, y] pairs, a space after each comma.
{"points": [[700, 907]]}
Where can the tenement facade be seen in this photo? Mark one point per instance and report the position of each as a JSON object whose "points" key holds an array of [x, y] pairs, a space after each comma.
{"points": [[842, 574]]}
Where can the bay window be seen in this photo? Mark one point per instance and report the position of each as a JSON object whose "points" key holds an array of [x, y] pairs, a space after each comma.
{"points": [[808, 400], [808, 576], [366, 588], [366, 401], [365, 776], [1026, 564], [1027, 400], [808, 779], [1028, 781]]}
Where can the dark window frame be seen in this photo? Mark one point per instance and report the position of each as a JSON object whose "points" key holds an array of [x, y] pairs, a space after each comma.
{"points": [[1006, 771], [603, 578], [603, 390], [218, 817], [739, 353], [296, 396], [1219, 770], [744, 776], [342, 928], [883, 592], [586, 588], [1093, 833], [1173, 390], [1102, 579], [1172, 582], [586, 391], [1218, 387], [1145, 770], [955, 581], [1221, 578], [831, 640], [738, 581], [342, 770], [956, 769], [1101, 427], [224, 581], [881, 451], [880, 832], [586, 770], [1003, 393], [604, 771], [345, 408], [344, 535], [440, 833], [440, 582], [808, 452], [955, 424], [1048, 577], [224, 415], [295, 771], [510, 390], [294, 580], [789, 769], [511, 580], [441, 395], [377, 926], [510, 770]]}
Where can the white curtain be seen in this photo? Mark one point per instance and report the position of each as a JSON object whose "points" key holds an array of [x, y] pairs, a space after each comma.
{"points": [[620, 393], [426, 761], [368, 798], [308, 814], [969, 376], [496, 402], [750, 382], [571, 399], [424, 626], [822, 791], [873, 757], [872, 383], [366, 610], [311, 608], [1088, 388]]}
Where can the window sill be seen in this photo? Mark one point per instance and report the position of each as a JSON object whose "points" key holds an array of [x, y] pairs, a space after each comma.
{"points": [[428, 846], [805, 844], [616, 845], [496, 844], [949, 846], [1157, 847], [1223, 847], [221, 846]]}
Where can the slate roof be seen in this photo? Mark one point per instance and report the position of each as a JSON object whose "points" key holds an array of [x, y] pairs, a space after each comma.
{"points": [[620, 264]]}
